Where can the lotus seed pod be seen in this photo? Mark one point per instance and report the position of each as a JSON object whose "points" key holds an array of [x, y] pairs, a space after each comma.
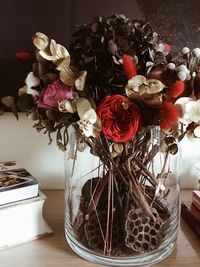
{"points": [[171, 66], [196, 52], [185, 50], [143, 234], [182, 75]]}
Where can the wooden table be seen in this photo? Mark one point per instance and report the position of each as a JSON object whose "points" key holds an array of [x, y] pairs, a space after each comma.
{"points": [[54, 251]]}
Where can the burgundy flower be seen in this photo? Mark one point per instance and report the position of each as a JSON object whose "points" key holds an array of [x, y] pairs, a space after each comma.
{"points": [[54, 93], [119, 117]]}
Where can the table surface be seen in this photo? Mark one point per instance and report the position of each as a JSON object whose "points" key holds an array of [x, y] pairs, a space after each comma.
{"points": [[54, 251]]}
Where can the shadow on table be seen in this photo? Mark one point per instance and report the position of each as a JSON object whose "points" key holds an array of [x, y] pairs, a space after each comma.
{"points": [[190, 236]]}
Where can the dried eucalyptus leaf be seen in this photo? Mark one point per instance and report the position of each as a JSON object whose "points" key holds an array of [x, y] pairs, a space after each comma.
{"points": [[22, 90], [80, 81], [112, 47], [70, 106], [47, 55], [90, 116], [83, 105], [8, 101], [41, 41], [53, 47], [64, 64], [67, 77], [62, 52]]}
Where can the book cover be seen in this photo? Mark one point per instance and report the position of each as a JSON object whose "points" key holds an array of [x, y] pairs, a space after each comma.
{"points": [[192, 216], [16, 184], [196, 198], [9, 165]]}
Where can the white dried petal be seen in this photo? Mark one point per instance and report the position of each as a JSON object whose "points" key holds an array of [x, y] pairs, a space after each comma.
{"points": [[161, 48], [149, 64], [188, 76], [116, 61], [193, 111], [197, 131], [32, 92], [196, 52], [185, 50], [80, 81], [171, 66], [182, 75], [32, 80]]}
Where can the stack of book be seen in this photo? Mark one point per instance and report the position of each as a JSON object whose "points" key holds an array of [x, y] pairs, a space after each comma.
{"points": [[190, 211], [21, 205]]}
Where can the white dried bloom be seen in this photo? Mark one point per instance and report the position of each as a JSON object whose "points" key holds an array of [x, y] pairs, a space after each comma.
{"points": [[181, 105], [196, 52], [188, 76], [90, 124], [182, 68], [193, 110], [182, 75], [185, 50], [197, 132], [171, 66]]}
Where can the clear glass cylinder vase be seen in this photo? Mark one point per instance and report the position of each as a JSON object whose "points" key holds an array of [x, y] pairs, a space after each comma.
{"points": [[122, 202]]}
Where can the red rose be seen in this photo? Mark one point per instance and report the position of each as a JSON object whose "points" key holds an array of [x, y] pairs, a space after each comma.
{"points": [[54, 93], [120, 119]]}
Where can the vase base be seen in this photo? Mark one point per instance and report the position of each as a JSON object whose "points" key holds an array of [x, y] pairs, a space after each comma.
{"points": [[139, 261]]}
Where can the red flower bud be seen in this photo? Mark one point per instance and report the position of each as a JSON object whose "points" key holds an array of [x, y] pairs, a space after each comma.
{"points": [[177, 89], [129, 66], [23, 55], [168, 116]]}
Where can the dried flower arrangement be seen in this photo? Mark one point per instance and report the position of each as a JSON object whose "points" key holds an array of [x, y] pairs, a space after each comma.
{"points": [[117, 86]]}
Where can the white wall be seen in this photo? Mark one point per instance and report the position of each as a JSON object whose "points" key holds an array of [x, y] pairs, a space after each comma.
{"points": [[19, 141]]}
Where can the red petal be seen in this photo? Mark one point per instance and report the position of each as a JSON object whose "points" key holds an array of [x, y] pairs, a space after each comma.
{"points": [[23, 55], [167, 47], [129, 66], [177, 89]]}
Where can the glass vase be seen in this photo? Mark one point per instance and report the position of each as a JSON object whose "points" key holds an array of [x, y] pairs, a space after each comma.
{"points": [[122, 202]]}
